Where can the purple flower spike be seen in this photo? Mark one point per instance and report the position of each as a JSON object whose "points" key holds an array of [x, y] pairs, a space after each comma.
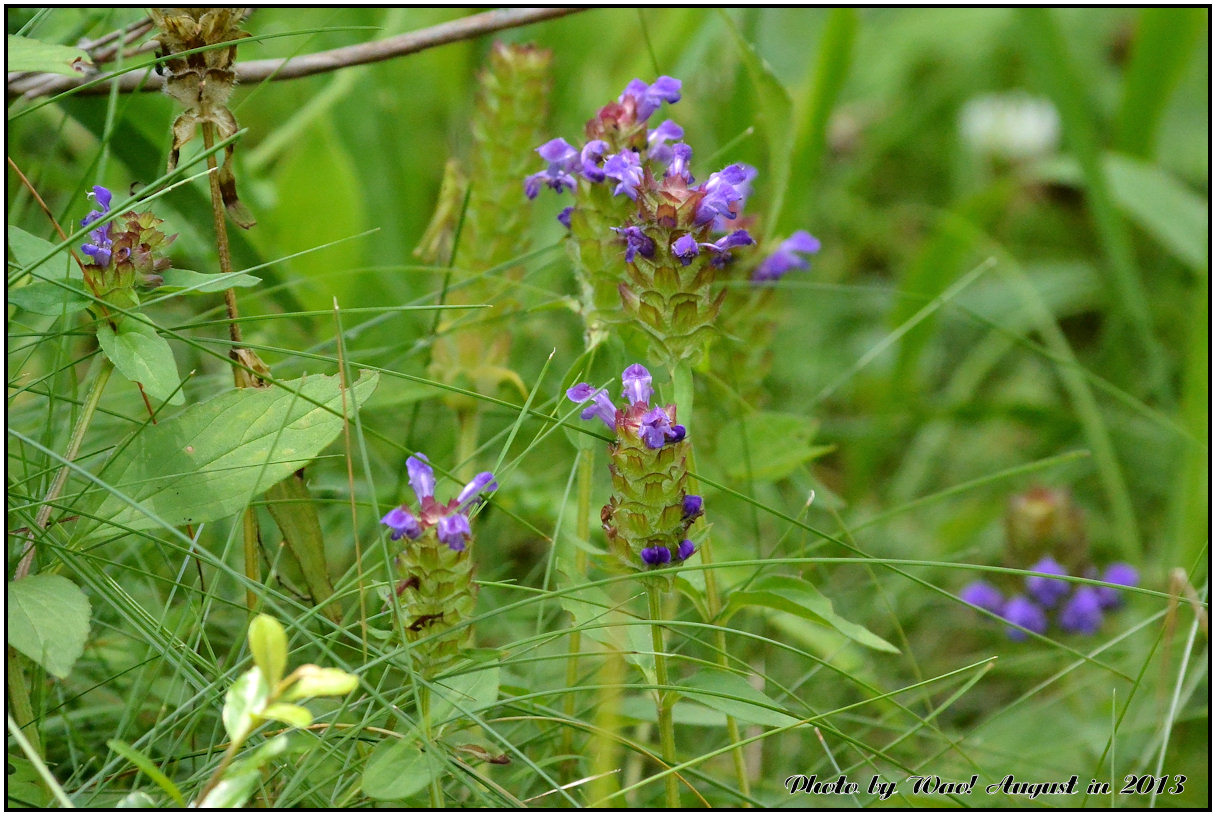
{"points": [[784, 260], [657, 149], [685, 550], [693, 507], [402, 523], [681, 157], [626, 169], [422, 477], [1121, 574], [562, 159], [1047, 591], [984, 595], [636, 384], [481, 482], [649, 97], [656, 556], [1083, 612], [99, 247], [603, 407], [636, 242], [1024, 612], [564, 217], [685, 248], [590, 159], [453, 530]]}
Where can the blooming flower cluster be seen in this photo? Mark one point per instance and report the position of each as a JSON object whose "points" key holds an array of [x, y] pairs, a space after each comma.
{"points": [[651, 511], [1078, 609], [124, 251], [450, 520]]}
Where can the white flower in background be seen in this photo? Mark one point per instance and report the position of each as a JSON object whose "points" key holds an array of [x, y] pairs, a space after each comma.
{"points": [[1014, 125]]}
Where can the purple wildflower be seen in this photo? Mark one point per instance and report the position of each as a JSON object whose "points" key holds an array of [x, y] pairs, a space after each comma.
{"points": [[1047, 591], [603, 407], [1021, 611], [636, 242], [450, 520], [657, 149], [984, 595], [626, 169], [685, 248], [471, 492], [681, 156], [744, 188], [1121, 574], [1083, 611], [656, 429], [562, 158], [693, 507], [656, 556], [685, 550], [721, 190], [453, 530], [591, 157], [403, 523], [784, 260], [422, 477], [636, 384], [647, 98], [98, 248], [564, 217]]}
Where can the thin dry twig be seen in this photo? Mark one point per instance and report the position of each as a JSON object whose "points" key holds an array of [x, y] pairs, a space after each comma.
{"points": [[34, 85]]}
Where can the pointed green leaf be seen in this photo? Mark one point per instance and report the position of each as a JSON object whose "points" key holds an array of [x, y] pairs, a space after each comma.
{"points": [[268, 645], [293, 510], [772, 444], [801, 598], [398, 769], [40, 295], [144, 763], [196, 283], [318, 681], [294, 715], [143, 356], [244, 703], [719, 690], [591, 605], [212, 459], [28, 54], [48, 621], [1164, 207], [470, 691]]}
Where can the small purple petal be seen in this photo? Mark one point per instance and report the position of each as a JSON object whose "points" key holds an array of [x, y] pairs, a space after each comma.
{"points": [[649, 97], [603, 407], [1047, 591], [453, 530], [100, 255], [721, 190], [636, 384], [1083, 611], [1121, 574], [626, 169], [103, 197], [984, 595], [685, 248], [557, 151], [693, 507], [564, 217], [402, 523], [685, 550], [481, 482], [1024, 612], [422, 476], [678, 432], [654, 556], [590, 158], [657, 149], [784, 260], [636, 242], [681, 156]]}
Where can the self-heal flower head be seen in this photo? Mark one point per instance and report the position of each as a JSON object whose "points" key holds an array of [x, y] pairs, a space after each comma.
{"points": [[403, 523], [647, 98], [657, 149], [1083, 611], [450, 520], [562, 159], [656, 556], [1121, 574], [635, 381], [1021, 611], [786, 258], [601, 407], [984, 595], [1047, 591], [626, 169], [721, 191], [636, 242]]}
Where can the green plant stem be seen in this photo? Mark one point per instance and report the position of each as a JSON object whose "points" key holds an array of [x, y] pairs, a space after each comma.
{"points": [[78, 431], [221, 240], [470, 430], [225, 761], [667, 734], [682, 385], [583, 532], [424, 715], [19, 698]]}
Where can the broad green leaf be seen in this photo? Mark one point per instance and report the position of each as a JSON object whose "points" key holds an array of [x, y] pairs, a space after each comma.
{"points": [[293, 510], [197, 283], [717, 689], [591, 605], [244, 702], [318, 681], [268, 645], [685, 712], [801, 598], [290, 713], [40, 295], [212, 459], [471, 692], [774, 445], [243, 776], [144, 763], [143, 356], [398, 769], [48, 621], [24, 787], [1162, 206], [27, 54]]}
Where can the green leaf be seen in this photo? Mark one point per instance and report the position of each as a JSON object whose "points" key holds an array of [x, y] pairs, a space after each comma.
{"points": [[801, 598], [720, 688], [48, 621], [143, 356], [212, 459], [243, 776], [317, 681], [774, 444], [144, 763], [40, 295], [27, 54], [398, 769], [1164, 207], [141, 800], [197, 283], [293, 510], [471, 692], [268, 645], [591, 605], [243, 704], [294, 715]]}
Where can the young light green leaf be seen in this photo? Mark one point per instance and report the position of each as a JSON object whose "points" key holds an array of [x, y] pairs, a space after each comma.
{"points": [[48, 621], [293, 715], [318, 681], [268, 645], [143, 356], [244, 703], [717, 689], [140, 800], [398, 769], [471, 691], [144, 763], [40, 295], [210, 460], [243, 776], [801, 598], [197, 283], [28, 54]]}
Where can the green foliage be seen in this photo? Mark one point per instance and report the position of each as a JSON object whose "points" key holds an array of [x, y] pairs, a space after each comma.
{"points": [[48, 621], [26, 54], [142, 356]]}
